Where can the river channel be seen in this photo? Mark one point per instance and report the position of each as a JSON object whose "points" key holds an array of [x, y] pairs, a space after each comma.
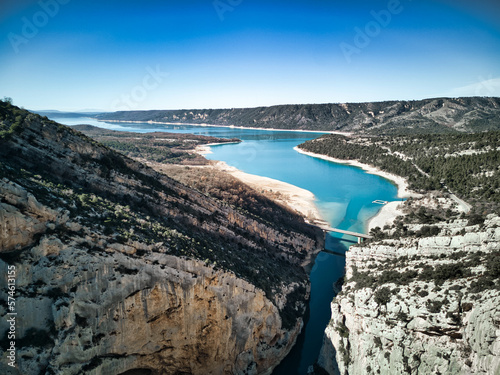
{"points": [[344, 197]]}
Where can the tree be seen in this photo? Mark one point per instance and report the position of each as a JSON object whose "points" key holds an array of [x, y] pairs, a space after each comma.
{"points": [[7, 99]]}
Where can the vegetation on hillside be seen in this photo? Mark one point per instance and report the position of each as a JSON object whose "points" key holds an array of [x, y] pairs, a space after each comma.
{"points": [[229, 189], [458, 265], [440, 115], [127, 201], [467, 164], [159, 147], [11, 118]]}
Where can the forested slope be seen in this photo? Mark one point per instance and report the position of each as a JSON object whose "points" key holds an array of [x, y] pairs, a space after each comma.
{"points": [[160, 147], [439, 115], [468, 164]]}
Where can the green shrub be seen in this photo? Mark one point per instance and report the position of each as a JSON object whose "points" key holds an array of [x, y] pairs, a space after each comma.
{"points": [[383, 295], [423, 293], [443, 272], [434, 306], [483, 283], [475, 219]]}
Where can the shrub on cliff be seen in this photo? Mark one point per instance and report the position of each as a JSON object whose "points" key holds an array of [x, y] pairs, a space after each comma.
{"points": [[383, 295], [444, 272]]}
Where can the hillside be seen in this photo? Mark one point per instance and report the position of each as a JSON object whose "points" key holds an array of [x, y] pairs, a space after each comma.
{"points": [[158, 147], [439, 115], [120, 268], [468, 164], [422, 296]]}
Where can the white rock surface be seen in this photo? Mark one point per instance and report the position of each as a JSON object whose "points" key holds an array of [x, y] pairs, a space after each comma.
{"points": [[460, 335]]}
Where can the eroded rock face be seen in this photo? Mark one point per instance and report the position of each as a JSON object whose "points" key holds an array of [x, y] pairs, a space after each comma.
{"points": [[92, 306], [122, 270], [22, 217], [444, 321]]}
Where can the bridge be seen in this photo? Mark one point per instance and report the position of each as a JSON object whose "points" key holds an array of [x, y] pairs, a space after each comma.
{"points": [[360, 236]]}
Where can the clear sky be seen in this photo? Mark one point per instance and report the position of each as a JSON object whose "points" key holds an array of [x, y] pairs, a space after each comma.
{"points": [[126, 55]]}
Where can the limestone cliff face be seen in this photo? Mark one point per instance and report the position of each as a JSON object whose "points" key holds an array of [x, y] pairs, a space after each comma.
{"points": [[419, 306], [121, 270], [21, 217], [110, 311]]}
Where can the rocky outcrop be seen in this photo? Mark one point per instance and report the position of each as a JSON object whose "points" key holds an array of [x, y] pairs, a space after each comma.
{"points": [[419, 305], [22, 217], [106, 311], [121, 270]]}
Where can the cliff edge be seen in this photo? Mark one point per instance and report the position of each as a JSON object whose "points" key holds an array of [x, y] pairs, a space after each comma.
{"points": [[420, 305], [120, 269]]}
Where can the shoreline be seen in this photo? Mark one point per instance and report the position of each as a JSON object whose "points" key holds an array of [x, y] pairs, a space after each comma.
{"points": [[228, 126], [389, 211], [298, 199], [205, 149]]}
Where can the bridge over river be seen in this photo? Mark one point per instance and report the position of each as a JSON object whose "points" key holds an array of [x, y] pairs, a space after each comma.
{"points": [[322, 225]]}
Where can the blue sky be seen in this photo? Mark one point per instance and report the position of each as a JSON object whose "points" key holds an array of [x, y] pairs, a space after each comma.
{"points": [[127, 55]]}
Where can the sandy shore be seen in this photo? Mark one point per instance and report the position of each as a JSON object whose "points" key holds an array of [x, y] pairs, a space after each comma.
{"points": [[230, 126], [205, 149], [389, 211], [402, 184], [385, 216], [296, 198]]}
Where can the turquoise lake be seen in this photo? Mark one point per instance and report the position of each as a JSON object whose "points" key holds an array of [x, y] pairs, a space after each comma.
{"points": [[344, 196]]}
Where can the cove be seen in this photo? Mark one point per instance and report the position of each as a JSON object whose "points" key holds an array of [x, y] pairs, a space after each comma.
{"points": [[344, 197]]}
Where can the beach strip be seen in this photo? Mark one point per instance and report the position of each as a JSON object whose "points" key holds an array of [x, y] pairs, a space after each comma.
{"points": [[298, 199], [205, 149], [389, 211], [228, 126]]}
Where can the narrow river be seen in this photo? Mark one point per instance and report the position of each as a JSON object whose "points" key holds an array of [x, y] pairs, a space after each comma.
{"points": [[344, 196]]}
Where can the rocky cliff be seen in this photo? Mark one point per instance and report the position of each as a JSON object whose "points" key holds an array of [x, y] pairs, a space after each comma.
{"points": [[121, 270], [420, 305]]}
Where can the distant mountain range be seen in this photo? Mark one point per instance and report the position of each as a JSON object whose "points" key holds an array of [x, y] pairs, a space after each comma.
{"points": [[428, 115], [61, 114]]}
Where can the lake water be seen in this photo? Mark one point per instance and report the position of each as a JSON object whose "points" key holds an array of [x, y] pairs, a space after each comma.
{"points": [[344, 197]]}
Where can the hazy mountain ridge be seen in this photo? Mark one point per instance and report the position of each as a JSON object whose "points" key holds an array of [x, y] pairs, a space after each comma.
{"points": [[122, 268], [431, 115]]}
